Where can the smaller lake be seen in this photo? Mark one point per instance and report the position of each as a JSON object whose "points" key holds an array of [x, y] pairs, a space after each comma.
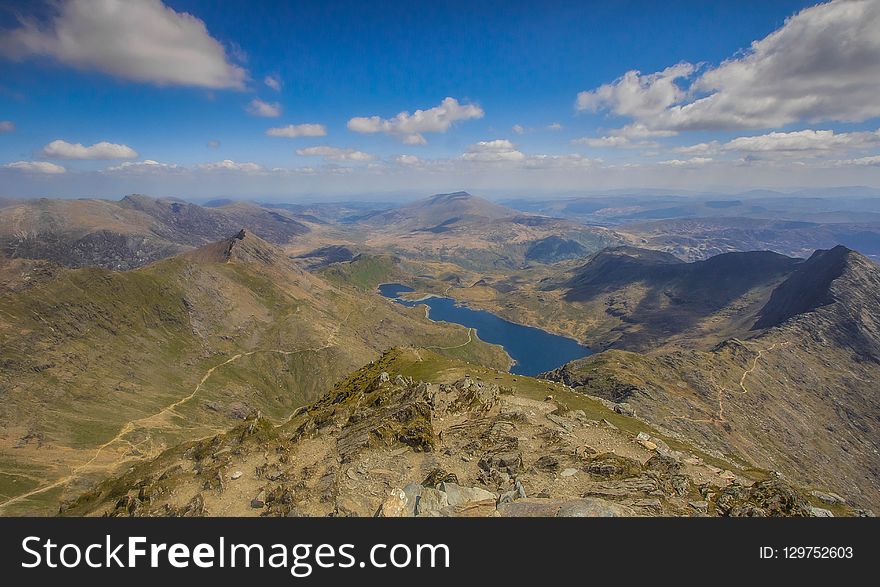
{"points": [[533, 349]]}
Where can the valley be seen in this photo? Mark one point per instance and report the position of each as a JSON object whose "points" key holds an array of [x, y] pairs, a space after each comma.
{"points": [[155, 336]]}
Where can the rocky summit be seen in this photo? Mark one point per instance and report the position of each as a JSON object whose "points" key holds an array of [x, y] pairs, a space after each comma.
{"points": [[383, 443]]}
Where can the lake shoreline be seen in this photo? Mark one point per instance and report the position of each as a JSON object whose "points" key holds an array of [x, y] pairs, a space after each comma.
{"points": [[532, 349]]}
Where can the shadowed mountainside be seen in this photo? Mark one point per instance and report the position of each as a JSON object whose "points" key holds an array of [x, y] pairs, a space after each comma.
{"points": [[798, 396]]}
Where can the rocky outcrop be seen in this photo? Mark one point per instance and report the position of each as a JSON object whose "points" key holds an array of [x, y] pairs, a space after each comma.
{"points": [[383, 444]]}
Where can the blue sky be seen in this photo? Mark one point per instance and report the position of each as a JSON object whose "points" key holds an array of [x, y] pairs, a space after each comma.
{"points": [[102, 97]]}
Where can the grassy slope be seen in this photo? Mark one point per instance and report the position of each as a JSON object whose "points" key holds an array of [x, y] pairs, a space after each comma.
{"points": [[97, 359]]}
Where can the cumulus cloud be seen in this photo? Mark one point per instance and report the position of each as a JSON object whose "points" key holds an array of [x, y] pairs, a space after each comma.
{"points": [[298, 130], [335, 154], [139, 40], [59, 149], [636, 95], [145, 166], [699, 148], [872, 161], [630, 136], [692, 162], [489, 151], [257, 107], [35, 167], [822, 64], [229, 165], [558, 162], [409, 160], [518, 129], [603, 142], [803, 141], [554, 126], [409, 128], [273, 81], [6, 126]]}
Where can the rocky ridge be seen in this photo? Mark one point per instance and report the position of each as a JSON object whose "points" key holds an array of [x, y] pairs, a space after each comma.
{"points": [[388, 445]]}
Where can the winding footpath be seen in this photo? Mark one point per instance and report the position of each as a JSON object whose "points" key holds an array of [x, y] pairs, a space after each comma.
{"points": [[139, 423], [718, 418]]}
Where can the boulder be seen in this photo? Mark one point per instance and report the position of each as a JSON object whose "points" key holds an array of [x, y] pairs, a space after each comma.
{"points": [[829, 498], [430, 502], [592, 507], [458, 495]]}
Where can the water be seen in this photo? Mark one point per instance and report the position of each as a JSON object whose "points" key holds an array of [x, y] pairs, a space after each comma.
{"points": [[533, 349]]}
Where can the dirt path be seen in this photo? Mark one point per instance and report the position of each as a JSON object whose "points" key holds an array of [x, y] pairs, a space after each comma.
{"points": [[129, 427], [718, 418]]}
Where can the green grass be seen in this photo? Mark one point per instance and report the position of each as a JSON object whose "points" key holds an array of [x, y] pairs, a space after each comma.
{"points": [[364, 272]]}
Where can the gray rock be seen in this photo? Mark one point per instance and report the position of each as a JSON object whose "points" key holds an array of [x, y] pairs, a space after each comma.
{"points": [[624, 409], [829, 498], [430, 502], [518, 492], [534, 507], [257, 503], [412, 492], [700, 506], [458, 495], [568, 472], [820, 512], [651, 504], [592, 507]]}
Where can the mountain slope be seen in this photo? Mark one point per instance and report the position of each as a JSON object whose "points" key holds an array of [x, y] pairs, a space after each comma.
{"points": [[102, 368], [798, 396], [415, 433], [474, 233], [638, 299], [130, 233]]}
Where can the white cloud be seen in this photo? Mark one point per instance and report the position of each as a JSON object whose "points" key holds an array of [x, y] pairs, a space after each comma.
{"points": [[803, 141], [518, 129], [35, 167], [603, 142], [872, 161], [298, 130], [273, 81], [822, 64], [408, 160], [692, 162], [229, 165], [699, 148], [410, 127], [489, 151], [6, 126], [554, 126], [335, 154], [629, 136], [140, 40], [213, 144], [558, 162], [145, 166], [636, 95], [257, 107], [59, 149]]}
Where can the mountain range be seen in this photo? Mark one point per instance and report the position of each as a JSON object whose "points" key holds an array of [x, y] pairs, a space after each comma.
{"points": [[160, 358]]}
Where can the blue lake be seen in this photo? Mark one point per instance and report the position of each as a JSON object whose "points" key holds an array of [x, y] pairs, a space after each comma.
{"points": [[533, 349]]}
